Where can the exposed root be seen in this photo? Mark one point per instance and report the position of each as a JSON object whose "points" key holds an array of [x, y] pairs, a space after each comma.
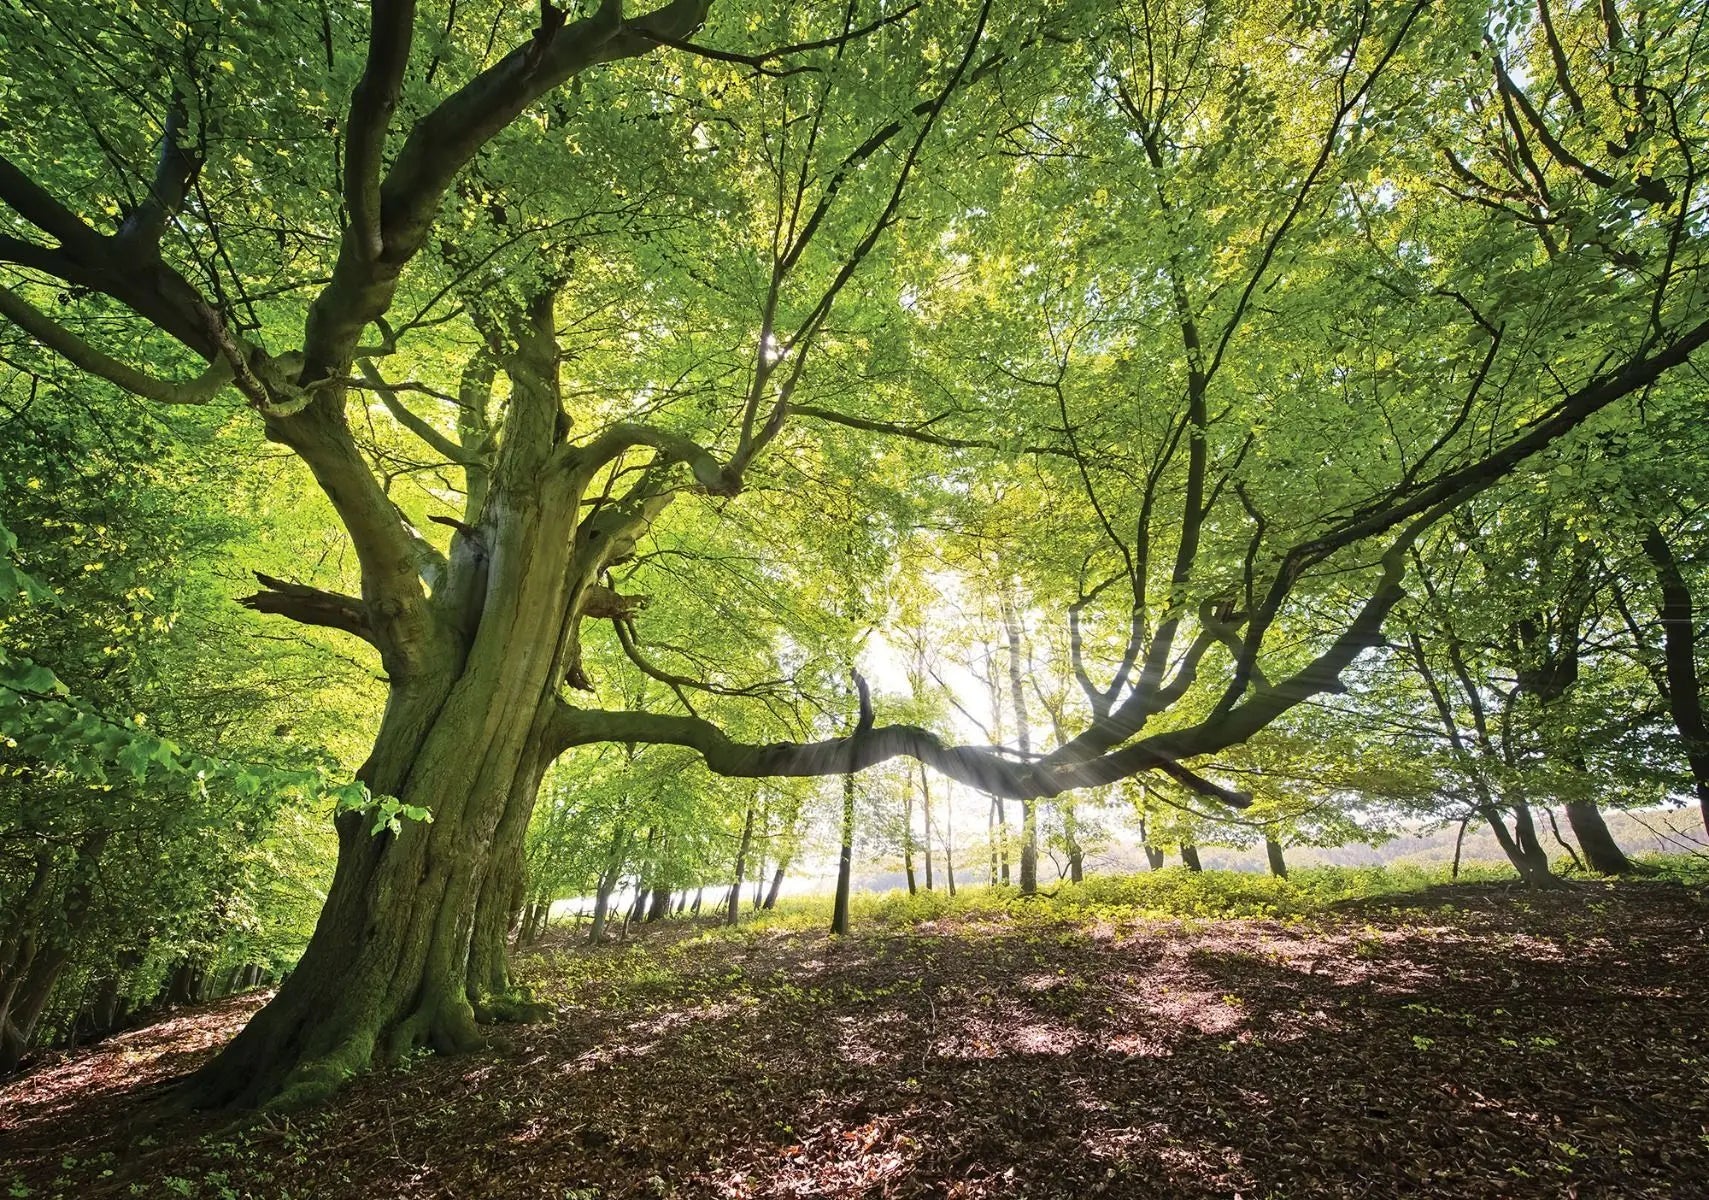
{"points": [[445, 1025], [314, 1080]]}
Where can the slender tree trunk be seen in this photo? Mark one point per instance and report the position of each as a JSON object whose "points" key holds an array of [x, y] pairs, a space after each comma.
{"points": [[699, 895], [926, 819], [908, 832], [1023, 739], [1521, 845], [1278, 864], [733, 909], [1071, 836], [949, 840], [1190, 856], [1459, 844], [607, 883], [775, 888], [1555, 830], [845, 860]]}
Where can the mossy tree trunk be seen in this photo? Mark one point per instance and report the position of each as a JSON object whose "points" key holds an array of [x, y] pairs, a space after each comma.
{"points": [[408, 951]]}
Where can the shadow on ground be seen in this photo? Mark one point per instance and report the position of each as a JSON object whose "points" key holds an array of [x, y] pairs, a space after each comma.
{"points": [[1471, 1042]]}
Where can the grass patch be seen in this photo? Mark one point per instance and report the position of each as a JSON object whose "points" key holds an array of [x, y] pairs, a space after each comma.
{"points": [[1173, 892]]}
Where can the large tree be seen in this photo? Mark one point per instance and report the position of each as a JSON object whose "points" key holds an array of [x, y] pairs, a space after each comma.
{"points": [[598, 264]]}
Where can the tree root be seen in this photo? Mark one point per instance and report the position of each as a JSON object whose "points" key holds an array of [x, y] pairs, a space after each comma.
{"points": [[514, 1007], [314, 1080]]}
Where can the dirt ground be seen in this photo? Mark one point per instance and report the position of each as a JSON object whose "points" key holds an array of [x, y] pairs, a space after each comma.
{"points": [[1474, 1041]]}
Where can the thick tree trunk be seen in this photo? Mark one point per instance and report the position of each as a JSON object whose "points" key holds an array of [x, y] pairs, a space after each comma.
{"points": [[38, 956], [1601, 852], [1153, 854], [1679, 653], [1278, 864], [184, 985], [387, 969], [644, 878], [18, 1030], [661, 905], [1190, 857], [845, 860]]}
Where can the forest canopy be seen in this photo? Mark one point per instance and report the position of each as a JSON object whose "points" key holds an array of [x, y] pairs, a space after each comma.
{"points": [[614, 420]]}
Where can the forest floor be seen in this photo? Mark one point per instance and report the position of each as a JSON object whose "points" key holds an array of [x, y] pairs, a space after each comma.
{"points": [[1467, 1041]]}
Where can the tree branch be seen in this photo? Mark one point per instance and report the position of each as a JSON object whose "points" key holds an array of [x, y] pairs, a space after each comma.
{"points": [[918, 432], [82, 355], [391, 28], [310, 606], [711, 474]]}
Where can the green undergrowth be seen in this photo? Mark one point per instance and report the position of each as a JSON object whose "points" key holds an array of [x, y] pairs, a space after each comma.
{"points": [[1174, 892], [643, 964], [1171, 892]]}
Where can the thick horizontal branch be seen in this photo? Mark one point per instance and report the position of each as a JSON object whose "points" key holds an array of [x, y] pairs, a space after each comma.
{"points": [[981, 767]]}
